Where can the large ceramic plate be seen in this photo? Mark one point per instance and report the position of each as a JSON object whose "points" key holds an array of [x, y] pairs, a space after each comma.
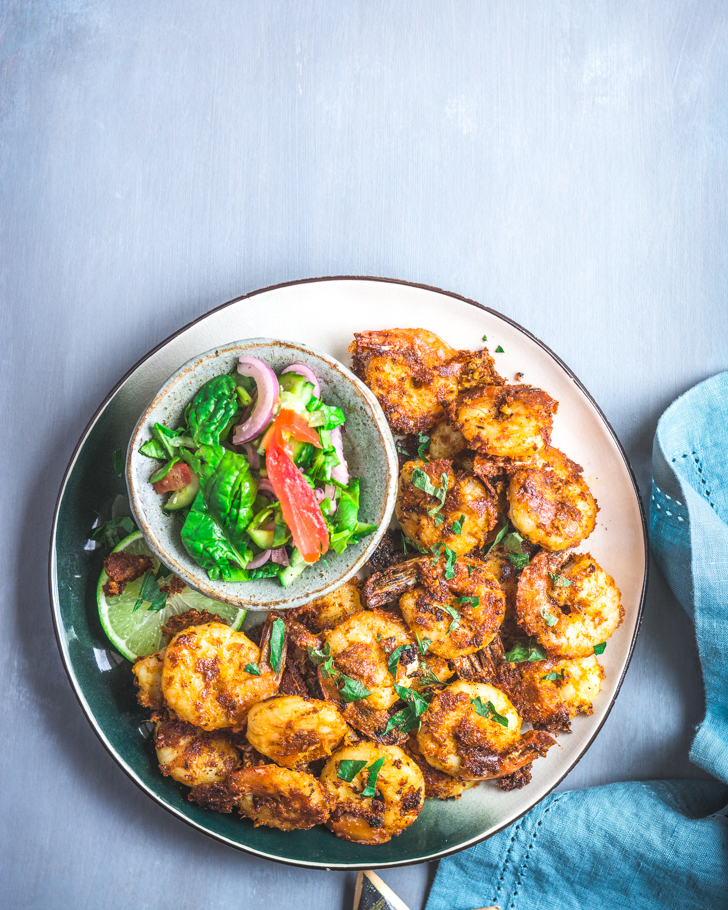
{"points": [[324, 314]]}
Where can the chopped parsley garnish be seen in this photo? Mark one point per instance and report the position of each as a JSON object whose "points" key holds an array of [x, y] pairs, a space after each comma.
{"points": [[408, 718], [499, 350], [514, 545], [349, 689], [117, 459], [487, 710], [553, 676], [523, 650], [424, 441], [149, 591], [455, 617], [450, 558], [349, 768], [317, 656], [599, 649], [426, 677], [473, 601], [394, 658], [559, 581], [423, 644], [278, 633], [111, 532], [252, 668], [406, 542], [548, 618], [485, 337], [439, 518], [423, 482], [457, 526], [498, 537]]}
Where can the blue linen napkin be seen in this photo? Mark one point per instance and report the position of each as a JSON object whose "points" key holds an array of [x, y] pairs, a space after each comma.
{"points": [[662, 844]]}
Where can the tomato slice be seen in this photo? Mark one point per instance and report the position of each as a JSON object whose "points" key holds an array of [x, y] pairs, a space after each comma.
{"points": [[290, 422], [299, 508]]}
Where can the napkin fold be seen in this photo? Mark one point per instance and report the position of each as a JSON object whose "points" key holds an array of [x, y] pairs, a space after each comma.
{"points": [[662, 844]]}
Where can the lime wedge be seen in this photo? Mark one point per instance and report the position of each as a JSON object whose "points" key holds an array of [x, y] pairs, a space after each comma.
{"points": [[137, 633]]}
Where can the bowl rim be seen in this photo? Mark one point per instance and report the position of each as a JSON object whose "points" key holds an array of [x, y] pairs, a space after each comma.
{"points": [[60, 634], [235, 593]]}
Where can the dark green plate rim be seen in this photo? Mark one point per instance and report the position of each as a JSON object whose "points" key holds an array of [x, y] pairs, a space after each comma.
{"points": [[367, 857]]}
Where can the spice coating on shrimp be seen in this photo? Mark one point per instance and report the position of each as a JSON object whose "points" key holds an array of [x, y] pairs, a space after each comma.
{"points": [[461, 521], [551, 504], [293, 731], [549, 693], [504, 421], [192, 756], [568, 603], [399, 794], [279, 798]]}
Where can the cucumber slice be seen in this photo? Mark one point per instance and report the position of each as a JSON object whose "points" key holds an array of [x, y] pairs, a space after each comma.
{"points": [[264, 539], [291, 573], [180, 499]]}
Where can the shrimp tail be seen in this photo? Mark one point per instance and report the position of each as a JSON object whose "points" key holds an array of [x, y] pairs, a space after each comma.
{"points": [[384, 587]]}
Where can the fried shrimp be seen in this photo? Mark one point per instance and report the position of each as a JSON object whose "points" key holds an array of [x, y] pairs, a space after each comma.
{"points": [[148, 680], [458, 511], [438, 785], [333, 608], [294, 731], [472, 731], [205, 680], [568, 603], [279, 798], [397, 792], [504, 421], [458, 615], [550, 504], [446, 441], [191, 756], [552, 692]]}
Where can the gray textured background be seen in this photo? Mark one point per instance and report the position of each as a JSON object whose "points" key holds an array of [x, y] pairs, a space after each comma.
{"points": [[563, 162]]}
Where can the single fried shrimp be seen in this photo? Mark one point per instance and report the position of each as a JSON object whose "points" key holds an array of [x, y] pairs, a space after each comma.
{"points": [[407, 371], [205, 680], [505, 421], [192, 756], [472, 731], [279, 798], [438, 785], [294, 731], [568, 603], [446, 441], [396, 802], [550, 504], [148, 680], [333, 608], [459, 511], [458, 615], [551, 692]]}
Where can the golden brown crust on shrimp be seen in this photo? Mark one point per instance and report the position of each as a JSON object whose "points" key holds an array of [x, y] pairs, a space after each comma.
{"points": [[192, 756], [462, 521], [504, 421], [398, 799], [294, 731], [328, 611], [279, 798], [438, 785], [552, 692], [568, 603], [148, 680], [551, 504]]}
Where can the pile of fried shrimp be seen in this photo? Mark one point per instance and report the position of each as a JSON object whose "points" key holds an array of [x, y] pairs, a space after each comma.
{"points": [[470, 646]]}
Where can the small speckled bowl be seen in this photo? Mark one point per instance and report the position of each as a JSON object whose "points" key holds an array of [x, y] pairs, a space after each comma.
{"points": [[368, 447]]}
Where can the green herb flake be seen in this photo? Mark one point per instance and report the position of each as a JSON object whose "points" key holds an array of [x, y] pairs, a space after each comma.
{"points": [[457, 526], [423, 482], [117, 459], [149, 591], [559, 581], [498, 537], [253, 669], [487, 710], [485, 337], [317, 656], [599, 649], [425, 677], [349, 768], [371, 786], [499, 350], [350, 689], [513, 544], [473, 601], [439, 518], [455, 617], [553, 676], [423, 644], [424, 442], [394, 658], [111, 532], [548, 618], [277, 636], [525, 649]]}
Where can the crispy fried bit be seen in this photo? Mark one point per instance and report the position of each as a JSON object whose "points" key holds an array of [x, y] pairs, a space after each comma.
{"points": [[550, 693], [122, 568], [181, 621], [568, 602], [516, 780], [192, 756], [294, 731], [504, 421], [398, 794], [148, 680], [389, 552], [280, 798], [174, 586]]}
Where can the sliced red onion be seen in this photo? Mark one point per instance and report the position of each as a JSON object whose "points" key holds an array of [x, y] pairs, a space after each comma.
{"points": [[259, 560], [329, 491], [341, 472], [319, 495], [265, 486], [267, 385], [280, 556], [252, 455], [303, 370]]}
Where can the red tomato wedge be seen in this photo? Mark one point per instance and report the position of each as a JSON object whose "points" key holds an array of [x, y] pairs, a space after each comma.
{"points": [[290, 422], [299, 508]]}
